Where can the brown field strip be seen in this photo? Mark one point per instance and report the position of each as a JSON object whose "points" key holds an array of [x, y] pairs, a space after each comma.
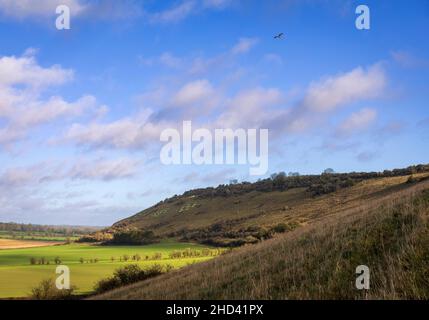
{"points": [[20, 244]]}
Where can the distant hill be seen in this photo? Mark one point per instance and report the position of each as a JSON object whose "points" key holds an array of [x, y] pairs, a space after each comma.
{"points": [[382, 223], [246, 213]]}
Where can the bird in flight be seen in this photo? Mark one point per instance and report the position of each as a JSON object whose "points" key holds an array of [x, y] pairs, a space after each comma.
{"points": [[279, 36]]}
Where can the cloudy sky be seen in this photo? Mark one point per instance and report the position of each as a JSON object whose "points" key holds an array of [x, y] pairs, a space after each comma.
{"points": [[81, 110]]}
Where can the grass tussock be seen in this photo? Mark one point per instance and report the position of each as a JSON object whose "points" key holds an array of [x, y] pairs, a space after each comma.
{"points": [[47, 290], [128, 275], [390, 236]]}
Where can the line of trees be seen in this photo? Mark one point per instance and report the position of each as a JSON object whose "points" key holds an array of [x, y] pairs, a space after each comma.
{"points": [[328, 181], [121, 237], [44, 261], [187, 253], [50, 230], [127, 275], [133, 237], [222, 234]]}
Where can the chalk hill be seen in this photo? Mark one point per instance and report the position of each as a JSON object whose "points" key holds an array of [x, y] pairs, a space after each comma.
{"points": [[382, 223], [245, 213]]}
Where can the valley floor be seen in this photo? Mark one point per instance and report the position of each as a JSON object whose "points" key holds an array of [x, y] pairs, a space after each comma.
{"points": [[87, 263]]}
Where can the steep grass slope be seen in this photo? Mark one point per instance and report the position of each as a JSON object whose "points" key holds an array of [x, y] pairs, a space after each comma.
{"points": [[387, 231], [246, 217]]}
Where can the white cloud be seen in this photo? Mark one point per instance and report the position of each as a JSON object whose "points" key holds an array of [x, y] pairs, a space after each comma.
{"points": [[244, 45], [267, 108], [13, 177], [9, 135], [113, 9], [197, 93], [217, 4], [328, 95], [127, 133], [200, 65], [192, 100], [27, 191], [187, 8], [408, 60], [334, 92], [103, 9], [25, 71], [108, 9], [142, 130], [104, 169], [81, 169], [175, 14], [170, 60], [357, 121], [23, 196], [166, 59], [22, 83], [39, 112], [31, 8], [251, 108]]}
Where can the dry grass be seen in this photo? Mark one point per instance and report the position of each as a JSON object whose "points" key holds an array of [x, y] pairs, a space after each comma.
{"points": [[264, 209], [389, 233], [21, 244]]}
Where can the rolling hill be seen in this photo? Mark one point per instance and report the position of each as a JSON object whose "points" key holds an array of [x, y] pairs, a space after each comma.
{"points": [[246, 213], [382, 223]]}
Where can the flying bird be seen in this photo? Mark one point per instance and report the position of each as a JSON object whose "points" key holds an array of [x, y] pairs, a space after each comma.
{"points": [[279, 36]]}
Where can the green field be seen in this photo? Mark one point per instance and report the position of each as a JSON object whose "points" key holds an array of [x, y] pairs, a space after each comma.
{"points": [[18, 276]]}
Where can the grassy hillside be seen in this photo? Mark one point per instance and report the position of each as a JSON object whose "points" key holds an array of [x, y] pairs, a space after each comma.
{"points": [[382, 223], [247, 213]]}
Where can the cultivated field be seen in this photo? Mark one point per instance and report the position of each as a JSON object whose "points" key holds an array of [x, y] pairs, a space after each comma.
{"points": [[87, 263], [19, 244]]}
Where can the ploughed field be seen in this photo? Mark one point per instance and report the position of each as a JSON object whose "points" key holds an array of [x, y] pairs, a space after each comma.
{"points": [[23, 269], [18, 244]]}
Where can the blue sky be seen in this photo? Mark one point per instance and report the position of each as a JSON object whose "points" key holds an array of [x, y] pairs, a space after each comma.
{"points": [[81, 110]]}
